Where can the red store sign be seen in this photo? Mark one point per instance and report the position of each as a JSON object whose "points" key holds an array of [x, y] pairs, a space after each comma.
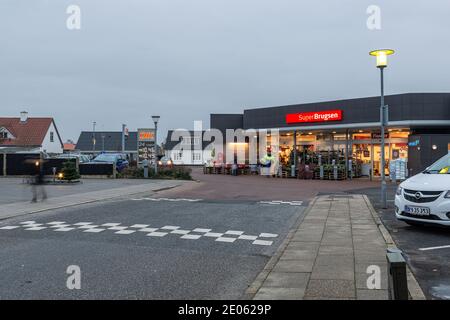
{"points": [[319, 116]]}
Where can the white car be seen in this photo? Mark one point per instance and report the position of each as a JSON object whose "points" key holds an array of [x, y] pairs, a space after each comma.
{"points": [[425, 197]]}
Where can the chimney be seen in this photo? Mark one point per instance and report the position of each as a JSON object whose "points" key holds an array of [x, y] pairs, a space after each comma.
{"points": [[23, 116]]}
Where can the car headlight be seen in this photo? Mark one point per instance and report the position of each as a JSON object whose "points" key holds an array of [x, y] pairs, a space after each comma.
{"points": [[447, 195], [169, 162], [399, 191], [160, 163]]}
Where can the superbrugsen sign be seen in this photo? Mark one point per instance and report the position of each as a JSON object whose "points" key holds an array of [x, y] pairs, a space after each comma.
{"points": [[318, 116]]}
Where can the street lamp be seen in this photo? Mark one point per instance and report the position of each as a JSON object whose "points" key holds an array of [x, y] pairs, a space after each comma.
{"points": [[93, 137], [155, 121], [103, 141], [381, 56]]}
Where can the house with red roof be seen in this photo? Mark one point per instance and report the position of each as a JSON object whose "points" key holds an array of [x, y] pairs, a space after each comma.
{"points": [[29, 134]]}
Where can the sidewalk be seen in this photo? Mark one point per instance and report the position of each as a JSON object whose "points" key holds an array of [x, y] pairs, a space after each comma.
{"points": [[327, 256], [22, 208]]}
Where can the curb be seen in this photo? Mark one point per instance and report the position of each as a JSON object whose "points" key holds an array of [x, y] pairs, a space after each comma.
{"points": [[414, 289], [261, 277]]}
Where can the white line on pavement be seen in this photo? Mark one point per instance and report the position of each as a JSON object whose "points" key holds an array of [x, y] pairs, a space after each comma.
{"points": [[229, 236], [434, 248]]}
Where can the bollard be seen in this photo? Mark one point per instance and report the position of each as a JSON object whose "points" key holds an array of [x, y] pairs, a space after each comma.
{"points": [[397, 281]]}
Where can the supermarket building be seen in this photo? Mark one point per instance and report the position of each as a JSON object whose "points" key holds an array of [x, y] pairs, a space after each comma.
{"points": [[418, 131]]}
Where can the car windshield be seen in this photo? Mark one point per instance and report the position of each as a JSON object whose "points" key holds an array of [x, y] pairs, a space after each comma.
{"points": [[106, 158], [442, 166]]}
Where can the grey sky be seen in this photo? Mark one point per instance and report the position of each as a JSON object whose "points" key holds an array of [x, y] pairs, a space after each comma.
{"points": [[184, 59]]}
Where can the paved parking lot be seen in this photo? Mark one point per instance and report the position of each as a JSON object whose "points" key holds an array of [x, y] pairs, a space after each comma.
{"points": [[431, 266]]}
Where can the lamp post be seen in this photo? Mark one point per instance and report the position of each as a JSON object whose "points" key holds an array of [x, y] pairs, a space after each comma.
{"points": [[124, 127], [103, 141], [155, 121], [93, 137], [381, 56]]}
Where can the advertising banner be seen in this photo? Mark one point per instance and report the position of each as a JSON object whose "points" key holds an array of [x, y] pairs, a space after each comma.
{"points": [[146, 145]]}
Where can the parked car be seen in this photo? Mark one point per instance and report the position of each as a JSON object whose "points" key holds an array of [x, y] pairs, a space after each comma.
{"points": [[81, 157], [425, 197], [165, 162], [118, 158]]}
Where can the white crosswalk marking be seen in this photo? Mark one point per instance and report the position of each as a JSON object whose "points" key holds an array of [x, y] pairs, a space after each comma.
{"points": [[279, 202], [262, 242], [228, 236], [167, 199], [9, 227], [225, 239], [95, 230]]}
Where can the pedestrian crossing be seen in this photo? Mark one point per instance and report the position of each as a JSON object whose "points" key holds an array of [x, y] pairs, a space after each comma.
{"points": [[228, 236]]}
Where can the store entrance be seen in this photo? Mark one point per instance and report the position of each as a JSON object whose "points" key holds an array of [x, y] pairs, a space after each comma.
{"points": [[369, 154]]}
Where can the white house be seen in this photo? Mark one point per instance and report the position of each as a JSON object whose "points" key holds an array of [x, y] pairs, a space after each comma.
{"points": [[26, 134], [188, 148]]}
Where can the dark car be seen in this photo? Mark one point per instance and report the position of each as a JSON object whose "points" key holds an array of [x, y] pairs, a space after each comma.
{"points": [[118, 158]]}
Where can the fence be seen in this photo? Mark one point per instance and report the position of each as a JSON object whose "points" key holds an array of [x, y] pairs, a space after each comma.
{"points": [[21, 164], [97, 169], [27, 164]]}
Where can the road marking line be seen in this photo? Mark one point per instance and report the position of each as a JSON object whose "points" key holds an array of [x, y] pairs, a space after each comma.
{"points": [[64, 229], [28, 222], [148, 229], [139, 226], [125, 232], [213, 234], [180, 231], [110, 224], [56, 222], [225, 239], [201, 230], [87, 226], [278, 202], [94, 230], [262, 242], [229, 236], [434, 248], [157, 234], [60, 226], [233, 232], [268, 235], [244, 237], [191, 236], [170, 228], [118, 228], [9, 227]]}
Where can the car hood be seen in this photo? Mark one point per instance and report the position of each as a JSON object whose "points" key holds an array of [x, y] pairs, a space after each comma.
{"points": [[428, 182]]}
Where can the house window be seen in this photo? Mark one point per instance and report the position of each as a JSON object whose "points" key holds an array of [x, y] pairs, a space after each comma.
{"points": [[196, 156], [3, 135], [186, 140], [177, 156], [52, 138], [196, 141]]}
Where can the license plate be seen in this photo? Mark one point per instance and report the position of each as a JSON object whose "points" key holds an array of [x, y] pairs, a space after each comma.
{"points": [[418, 211]]}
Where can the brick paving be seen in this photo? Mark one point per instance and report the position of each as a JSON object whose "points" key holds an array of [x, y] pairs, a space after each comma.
{"points": [[327, 256]]}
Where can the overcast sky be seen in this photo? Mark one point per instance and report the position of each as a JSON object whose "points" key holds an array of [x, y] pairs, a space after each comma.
{"points": [[185, 59]]}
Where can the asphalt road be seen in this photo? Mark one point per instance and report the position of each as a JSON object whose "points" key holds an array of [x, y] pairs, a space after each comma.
{"points": [[432, 267], [183, 257], [17, 190]]}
